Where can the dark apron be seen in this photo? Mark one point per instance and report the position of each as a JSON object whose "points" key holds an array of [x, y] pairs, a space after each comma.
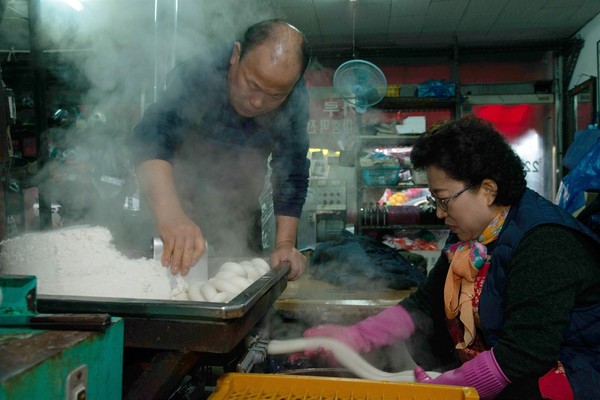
{"points": [[219, 186]]}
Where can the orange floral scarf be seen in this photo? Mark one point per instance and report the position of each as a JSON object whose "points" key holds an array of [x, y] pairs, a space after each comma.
{"points": [[466, 258]]}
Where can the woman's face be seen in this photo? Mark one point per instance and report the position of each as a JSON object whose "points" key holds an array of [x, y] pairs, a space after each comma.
{"points": [[469, 213]]}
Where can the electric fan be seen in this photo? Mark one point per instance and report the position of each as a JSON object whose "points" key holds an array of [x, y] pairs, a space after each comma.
{"points": [[360, 83]]}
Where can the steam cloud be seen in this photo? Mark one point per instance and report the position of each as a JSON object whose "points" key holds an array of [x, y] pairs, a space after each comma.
{"points": [[124, 50]]}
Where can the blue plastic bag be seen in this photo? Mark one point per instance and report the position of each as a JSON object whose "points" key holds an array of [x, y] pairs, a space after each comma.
{"points": [[436, 88], [584, 140], [584, 177]]}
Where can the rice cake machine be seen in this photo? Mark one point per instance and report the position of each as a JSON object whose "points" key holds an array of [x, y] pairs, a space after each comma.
{"points": [[55, 356]]}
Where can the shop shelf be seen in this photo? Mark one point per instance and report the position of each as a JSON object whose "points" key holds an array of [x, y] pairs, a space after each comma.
{"points": [[381, 175]]}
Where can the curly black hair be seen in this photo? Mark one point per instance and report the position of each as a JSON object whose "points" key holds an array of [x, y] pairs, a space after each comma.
{"points": [[470, 150]]}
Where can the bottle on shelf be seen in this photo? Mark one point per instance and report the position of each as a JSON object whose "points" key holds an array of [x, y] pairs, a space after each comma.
{"points": [[385, 214], [371, 220]]}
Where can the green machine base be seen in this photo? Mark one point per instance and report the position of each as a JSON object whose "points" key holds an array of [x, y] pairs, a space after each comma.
{"points": [[45, 356]]}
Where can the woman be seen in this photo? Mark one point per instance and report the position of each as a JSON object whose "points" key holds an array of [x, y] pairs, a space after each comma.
{"points": [[512, 306]]}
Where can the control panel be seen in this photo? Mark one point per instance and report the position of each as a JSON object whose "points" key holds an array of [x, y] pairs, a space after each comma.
{"points": [[324, 213], [327, 194]]}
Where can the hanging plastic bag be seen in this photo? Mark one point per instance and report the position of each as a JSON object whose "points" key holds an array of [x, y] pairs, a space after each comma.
{"points": [[584, 140], [584, 177]]}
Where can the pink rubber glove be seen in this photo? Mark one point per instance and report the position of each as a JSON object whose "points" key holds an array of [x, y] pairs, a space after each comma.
{"points": [[482, 373], [386, 328]]}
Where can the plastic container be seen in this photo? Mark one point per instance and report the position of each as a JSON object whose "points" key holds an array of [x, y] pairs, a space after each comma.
{"points": [[393, 90], [240, 386], [381, 176]]}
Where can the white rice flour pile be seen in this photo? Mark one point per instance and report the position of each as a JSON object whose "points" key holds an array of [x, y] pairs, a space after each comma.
{"points": [[82, 261]]}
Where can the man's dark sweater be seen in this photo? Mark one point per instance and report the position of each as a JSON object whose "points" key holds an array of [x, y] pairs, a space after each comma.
{"points": [[220, 158]]}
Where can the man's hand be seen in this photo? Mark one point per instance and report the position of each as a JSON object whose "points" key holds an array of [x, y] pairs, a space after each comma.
{"points": [[183, 243], [285, 243], [285, 251]]}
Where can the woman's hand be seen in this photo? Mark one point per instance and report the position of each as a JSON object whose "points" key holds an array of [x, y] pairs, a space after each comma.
{"points": [[482, 372]]}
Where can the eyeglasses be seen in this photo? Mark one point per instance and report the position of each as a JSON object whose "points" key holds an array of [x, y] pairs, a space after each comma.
{"points": [[443, 203]]}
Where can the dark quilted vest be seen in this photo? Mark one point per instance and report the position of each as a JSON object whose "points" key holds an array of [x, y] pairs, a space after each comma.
{"points": [[580, 353]]}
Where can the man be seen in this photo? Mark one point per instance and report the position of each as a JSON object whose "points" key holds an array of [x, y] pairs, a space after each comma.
{"points": [[202, 150]]}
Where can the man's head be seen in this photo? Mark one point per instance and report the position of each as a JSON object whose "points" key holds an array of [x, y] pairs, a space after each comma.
{"points": [[265, 66]]}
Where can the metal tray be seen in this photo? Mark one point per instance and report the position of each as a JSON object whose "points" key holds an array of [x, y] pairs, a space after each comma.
{"points": [[182, 325], [273, 282]]}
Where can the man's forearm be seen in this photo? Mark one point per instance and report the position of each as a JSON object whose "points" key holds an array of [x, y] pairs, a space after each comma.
{"points": [[182, 239], [287, 228], [285, 247], [155, 178]]}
